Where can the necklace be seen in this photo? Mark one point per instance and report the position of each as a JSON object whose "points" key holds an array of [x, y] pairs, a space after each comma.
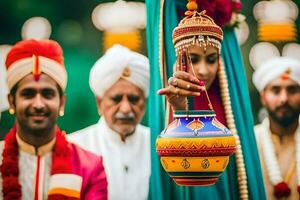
{"points": [[61, 164], [281, 188]]}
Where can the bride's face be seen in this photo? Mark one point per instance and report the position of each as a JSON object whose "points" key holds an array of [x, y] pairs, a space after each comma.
{"points": [[205, 63]]}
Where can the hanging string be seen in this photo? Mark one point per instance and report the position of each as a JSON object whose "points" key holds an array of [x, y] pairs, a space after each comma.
{"points": [[239, 158]]}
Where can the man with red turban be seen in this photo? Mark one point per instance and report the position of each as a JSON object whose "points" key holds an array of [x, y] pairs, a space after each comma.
{"points": [[37, 162]]}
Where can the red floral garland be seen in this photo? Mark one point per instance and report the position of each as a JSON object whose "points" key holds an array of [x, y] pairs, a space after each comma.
{"points": [[61, 159], [11, 187]]}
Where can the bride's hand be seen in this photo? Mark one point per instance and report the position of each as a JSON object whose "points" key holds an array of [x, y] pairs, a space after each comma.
{"points": [[180, 85]]}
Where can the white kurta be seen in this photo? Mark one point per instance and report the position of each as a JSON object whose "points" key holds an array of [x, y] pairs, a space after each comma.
{"points": [[127, 164], [285, 150]]}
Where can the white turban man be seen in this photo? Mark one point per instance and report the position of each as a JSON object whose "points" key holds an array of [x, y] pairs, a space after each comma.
{"points": [[278, 136], [120, 81]]}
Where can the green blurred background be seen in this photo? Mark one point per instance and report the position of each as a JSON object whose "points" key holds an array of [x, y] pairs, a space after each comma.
{"points": [[72, 27], [82, 44]]}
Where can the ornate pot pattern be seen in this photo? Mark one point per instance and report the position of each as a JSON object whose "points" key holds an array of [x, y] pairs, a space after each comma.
{"points": [[195, 148]]}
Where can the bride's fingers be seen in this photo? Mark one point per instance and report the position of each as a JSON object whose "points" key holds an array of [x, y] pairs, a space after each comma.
{"points": [[164, 91], [182, 84], [184, 92], [171, 90], [186, 85], [186, 76], [173, 81]]}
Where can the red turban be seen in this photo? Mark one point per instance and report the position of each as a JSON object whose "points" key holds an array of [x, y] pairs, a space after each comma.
{"points": [[35, 56]]}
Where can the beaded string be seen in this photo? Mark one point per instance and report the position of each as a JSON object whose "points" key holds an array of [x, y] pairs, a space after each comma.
{"points": [[239, 158]]}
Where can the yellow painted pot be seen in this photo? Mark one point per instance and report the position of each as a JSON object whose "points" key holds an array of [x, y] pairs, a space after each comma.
{"points": [[195, 148]]}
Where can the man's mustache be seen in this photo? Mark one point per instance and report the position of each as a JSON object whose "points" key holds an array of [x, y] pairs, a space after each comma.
{"points": [[122, 116], [285, 106], [37, 112]]}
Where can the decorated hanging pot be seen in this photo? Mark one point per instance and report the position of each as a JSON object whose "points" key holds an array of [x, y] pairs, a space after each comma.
{"points": [[195, 148]]}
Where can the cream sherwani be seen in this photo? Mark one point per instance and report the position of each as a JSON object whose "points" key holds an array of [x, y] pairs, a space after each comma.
{"points": [[285, 150], [127, 164], [87, 176], [32, 164]]}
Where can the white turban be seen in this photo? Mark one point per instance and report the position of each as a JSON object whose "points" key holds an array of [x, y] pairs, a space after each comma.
{"points": [[273, 69], [119, 62]]}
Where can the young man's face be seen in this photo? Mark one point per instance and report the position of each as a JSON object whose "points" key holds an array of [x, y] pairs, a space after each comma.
{"points": [[281, 97], [37, 103], [122, 106]]}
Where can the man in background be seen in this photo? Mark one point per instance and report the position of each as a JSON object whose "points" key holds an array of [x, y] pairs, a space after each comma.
{"points": [[3, 86], [120, 81], [278, 136]]}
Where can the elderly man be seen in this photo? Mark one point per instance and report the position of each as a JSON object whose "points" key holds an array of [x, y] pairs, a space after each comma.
{"points": [[37, 162], [120, 82], [278, 136]]}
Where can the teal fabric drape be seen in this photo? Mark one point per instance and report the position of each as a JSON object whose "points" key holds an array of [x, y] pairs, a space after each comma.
{"points": [[242, 113], [162, 187], [156, 105]]}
